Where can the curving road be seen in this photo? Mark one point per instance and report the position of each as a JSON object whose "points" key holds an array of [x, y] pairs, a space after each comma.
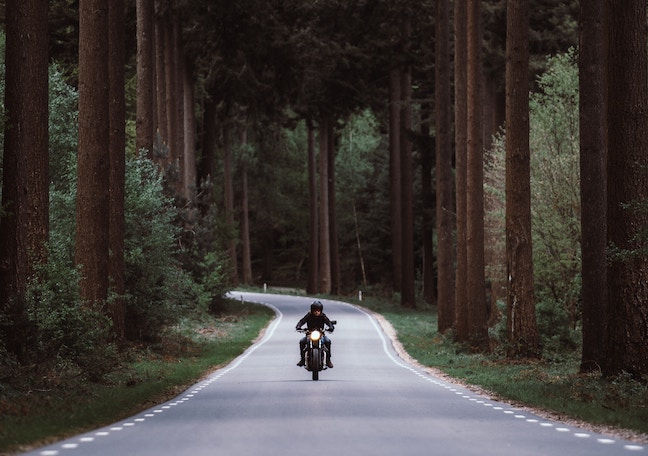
{"points": [[371, 403]]}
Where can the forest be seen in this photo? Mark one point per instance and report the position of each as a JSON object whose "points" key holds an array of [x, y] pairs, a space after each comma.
{"points": [[484, 158]]}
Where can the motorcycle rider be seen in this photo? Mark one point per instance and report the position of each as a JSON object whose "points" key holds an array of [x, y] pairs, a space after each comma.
{"points": [[315, 319]]}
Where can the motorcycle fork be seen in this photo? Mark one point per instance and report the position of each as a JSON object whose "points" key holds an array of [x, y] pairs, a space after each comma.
{"points": [[322, 349]]}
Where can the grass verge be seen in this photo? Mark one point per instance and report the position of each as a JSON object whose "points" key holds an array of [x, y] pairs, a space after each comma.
{"points": [[552, 385], [149, 376]]}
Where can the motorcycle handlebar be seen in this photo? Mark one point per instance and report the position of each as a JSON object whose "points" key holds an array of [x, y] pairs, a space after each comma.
{"points": [[301, 330], [333, 322]]}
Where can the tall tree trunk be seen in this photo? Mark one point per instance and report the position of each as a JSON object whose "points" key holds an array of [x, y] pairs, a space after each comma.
{"points": [[593, 151], [93, 173], [475, 282], [189, 155], [395, 175], [444, 188], [178, 148], [313, 253], [24, 226], [324, 227], [245, 216], [245, 229], [228, 183], [427, 164], [170, 96], [521, 318], [408, 291], [117, 228], [335, 255], [627, 189], [162, 136], [145, 75], [461, 185]]}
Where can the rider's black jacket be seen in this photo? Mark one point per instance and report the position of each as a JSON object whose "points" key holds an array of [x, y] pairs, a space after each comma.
{"points": [[313, 321]]}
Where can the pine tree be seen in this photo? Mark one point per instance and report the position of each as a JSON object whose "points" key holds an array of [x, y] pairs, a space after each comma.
{"points": [[117, 228], [24, 221], [521, 320], [444, 188], [92, 203], [593, 144], [461, 144], [475, 282], [627, 189]]}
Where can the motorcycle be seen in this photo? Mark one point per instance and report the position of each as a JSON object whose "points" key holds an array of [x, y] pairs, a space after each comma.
{"points": [[315, 352]]}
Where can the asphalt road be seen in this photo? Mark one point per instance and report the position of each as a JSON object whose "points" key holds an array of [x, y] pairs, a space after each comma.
{"points": [[371, 403]]}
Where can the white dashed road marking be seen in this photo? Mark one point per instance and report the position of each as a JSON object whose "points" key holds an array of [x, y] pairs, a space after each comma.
{"points": [[460, 394]]}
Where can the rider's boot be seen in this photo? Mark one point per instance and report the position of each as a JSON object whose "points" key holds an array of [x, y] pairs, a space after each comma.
{"points": [[329, 364], [302, 361]]}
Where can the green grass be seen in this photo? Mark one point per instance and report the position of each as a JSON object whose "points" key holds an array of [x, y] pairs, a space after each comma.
{"points": [[553, 385], [149, 377]]}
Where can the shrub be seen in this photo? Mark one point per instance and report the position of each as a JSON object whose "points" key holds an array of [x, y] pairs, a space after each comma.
{"points": [[66, 334], [152, 272], [555, 200]]}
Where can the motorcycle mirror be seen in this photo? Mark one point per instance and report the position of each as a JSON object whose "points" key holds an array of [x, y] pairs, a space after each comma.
{"points": [[334, 322]]}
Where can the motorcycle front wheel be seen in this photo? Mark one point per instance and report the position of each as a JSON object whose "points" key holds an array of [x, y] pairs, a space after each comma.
{"points": [[315, 363]]}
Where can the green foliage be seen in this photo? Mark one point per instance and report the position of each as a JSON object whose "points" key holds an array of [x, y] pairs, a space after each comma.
{"points": [[213, 278], [158, 289], [148, 376], [68, 335], [63, 131], [554, 384], [65, 337], [362, 198], [279, 201], [555, 200], [555, 186], [72, 338]]}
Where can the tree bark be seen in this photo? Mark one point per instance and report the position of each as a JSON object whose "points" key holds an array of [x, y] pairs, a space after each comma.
{"points": [[324, 228], [593, 151], [93, 173], [313, 254], [333, 236], [24, 226], [461, 185], [443, 144], [178, 148], [475, 282], [627, 189], [521, 319], [145, 74], [245, 217], [189, 150], [160, 91], [170, 96], [428, 197], [395, 175], [228, 191], [117, 228], [408, 292]]}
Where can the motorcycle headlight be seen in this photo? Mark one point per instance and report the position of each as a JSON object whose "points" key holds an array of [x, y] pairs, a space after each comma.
{"points": [[315, 336]]}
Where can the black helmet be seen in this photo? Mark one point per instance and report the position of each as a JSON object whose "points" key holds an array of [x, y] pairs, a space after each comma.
{"points": [[316, 305]]}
